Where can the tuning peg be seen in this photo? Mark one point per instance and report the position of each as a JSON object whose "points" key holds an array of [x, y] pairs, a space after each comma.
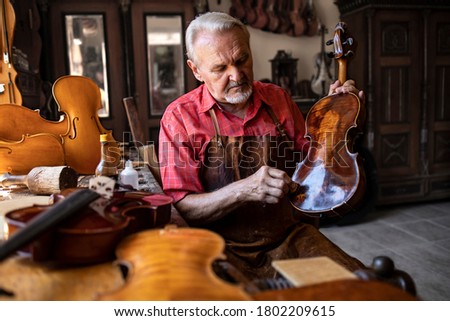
{"points": [[348, 41], [329, 42], [349, 54], [331, 54]]}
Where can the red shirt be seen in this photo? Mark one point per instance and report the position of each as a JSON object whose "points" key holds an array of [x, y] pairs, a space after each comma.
{"points": [[187, 128]]}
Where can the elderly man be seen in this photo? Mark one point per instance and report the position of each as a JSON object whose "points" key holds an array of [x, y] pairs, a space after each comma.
{"points": [[229, 147]]}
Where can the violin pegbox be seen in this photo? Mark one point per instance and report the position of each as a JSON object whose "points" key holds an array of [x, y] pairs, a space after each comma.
{"points": [[344, 49], [103, 185], [344, 45]]}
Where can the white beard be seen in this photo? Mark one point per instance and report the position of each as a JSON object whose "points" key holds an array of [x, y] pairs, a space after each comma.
{"points": [[239, 97]]}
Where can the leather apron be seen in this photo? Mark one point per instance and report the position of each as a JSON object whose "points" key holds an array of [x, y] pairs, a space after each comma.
{"points": [[257, 233]]}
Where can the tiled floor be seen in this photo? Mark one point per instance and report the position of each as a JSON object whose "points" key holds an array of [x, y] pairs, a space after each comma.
{"points": [[415, 236]]}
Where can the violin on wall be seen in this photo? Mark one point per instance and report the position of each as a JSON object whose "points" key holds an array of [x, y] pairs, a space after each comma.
{"points": [[9, 93], [322, 80], [331, 178]]}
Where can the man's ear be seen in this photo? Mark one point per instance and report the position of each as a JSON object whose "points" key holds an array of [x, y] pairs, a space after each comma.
{"points": [[194, 70]]}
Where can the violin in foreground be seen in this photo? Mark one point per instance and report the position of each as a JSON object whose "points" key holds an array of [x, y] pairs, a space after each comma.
{"points": [[83, 227]]}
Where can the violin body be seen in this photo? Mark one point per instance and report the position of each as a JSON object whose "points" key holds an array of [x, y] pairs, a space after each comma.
{"points": [[274, 20], [331, 178], [173, 264], [250, 12], [72, 244], [23, 132], [283, 14], [163, 263], [77, 131], [296, 17], [322, 81], [262, 18], [91, 236], [79, 97], [16, 121], [20, 156], [237, 9], [310, 16]]}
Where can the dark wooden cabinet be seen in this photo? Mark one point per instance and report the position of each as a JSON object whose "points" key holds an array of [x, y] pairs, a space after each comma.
{"points": [[403, 64]]}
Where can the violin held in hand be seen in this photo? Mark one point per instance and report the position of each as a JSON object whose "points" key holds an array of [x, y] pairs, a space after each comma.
{"points": [[331, 177]]}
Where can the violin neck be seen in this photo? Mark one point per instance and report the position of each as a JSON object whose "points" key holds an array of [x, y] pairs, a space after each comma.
{"points": [[342, 70]]}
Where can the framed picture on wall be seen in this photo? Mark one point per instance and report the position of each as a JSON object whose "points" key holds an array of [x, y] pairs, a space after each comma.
{"points": [[165, 61], [86, 49]]}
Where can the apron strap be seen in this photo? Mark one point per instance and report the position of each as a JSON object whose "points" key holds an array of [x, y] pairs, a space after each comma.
{"points": [[275, 120], [277, 123], [218, 137]]}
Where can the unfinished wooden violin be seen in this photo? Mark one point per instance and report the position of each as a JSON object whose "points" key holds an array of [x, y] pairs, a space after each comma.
{"points": [[173, 264], [27, 140], [82, 227]]}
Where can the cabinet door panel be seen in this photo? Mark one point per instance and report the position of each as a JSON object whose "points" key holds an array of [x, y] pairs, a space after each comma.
{"points": [[396, 84], [405, 72], [438, 107]]}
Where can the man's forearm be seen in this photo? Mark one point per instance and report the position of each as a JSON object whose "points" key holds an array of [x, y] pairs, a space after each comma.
{"points": [[268, 185], [198, 209]]}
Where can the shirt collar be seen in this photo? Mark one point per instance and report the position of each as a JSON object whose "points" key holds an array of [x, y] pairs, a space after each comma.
{"points": [[207, 101]]}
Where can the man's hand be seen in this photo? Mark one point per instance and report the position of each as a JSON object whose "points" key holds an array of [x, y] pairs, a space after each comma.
{"points": [[348, 87], [268, 185]]}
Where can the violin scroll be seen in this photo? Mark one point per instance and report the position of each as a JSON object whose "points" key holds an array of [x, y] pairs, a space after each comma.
{"points": [[344, 49]]}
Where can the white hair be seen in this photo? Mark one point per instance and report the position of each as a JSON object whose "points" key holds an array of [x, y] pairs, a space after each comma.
{"points": [[211, 22]]}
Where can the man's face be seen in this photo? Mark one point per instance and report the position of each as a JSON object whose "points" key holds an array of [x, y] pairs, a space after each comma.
{"points": [[224, 63]]}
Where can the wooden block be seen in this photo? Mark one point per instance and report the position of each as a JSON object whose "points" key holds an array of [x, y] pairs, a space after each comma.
{"points": [[307, 271], [148, 154]]}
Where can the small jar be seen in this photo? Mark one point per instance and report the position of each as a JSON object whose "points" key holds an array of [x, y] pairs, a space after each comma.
{"points": [[107, 165], [129, 176]]}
